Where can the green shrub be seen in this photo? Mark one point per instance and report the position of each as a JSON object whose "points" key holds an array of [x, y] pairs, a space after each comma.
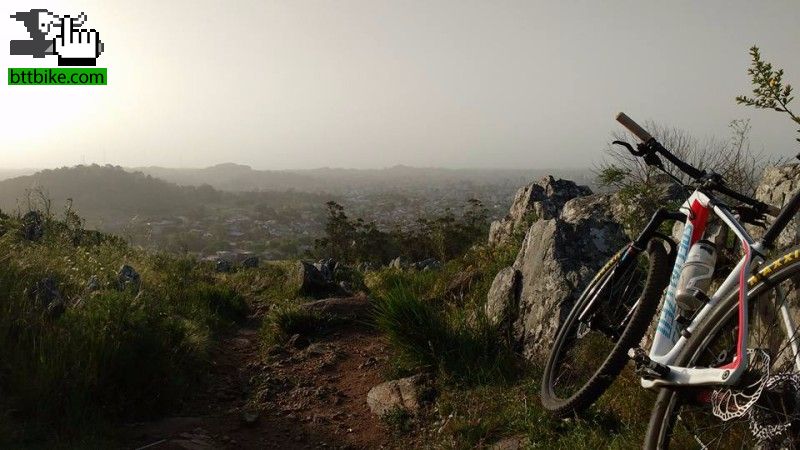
{"points": [[223, 302], [448, 342], [271, 283], [284, 321]]}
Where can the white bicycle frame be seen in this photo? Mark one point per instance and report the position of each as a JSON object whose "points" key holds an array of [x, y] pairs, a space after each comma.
{"points": [[669, 340]]}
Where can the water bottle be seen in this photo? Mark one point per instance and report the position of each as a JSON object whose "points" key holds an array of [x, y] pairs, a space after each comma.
{"points": [[696, 275]]}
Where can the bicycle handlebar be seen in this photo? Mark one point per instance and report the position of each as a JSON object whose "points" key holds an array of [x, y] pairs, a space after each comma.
{"points": [[633, 127], [654, 146]]}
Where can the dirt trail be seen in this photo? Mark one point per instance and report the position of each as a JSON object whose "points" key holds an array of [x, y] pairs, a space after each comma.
{"points": [[295, 398]]}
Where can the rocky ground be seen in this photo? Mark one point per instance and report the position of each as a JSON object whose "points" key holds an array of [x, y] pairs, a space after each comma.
{"points": [[309, 393]]}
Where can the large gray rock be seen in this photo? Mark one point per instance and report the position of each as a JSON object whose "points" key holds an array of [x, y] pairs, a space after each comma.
{"points": [[407, 394], [558, 257], [541, 200], [777, 187], [501, 302], [128, 278], [316, 283]]}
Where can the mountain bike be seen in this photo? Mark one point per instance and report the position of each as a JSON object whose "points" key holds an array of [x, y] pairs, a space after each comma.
{"points": [[728, 370]]}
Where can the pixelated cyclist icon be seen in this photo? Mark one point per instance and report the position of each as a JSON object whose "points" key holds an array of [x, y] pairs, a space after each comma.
{"points": [[58, 35]]}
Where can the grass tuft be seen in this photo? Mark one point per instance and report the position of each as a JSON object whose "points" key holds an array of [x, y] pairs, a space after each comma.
{"points": [[284, 321], [444, 341]]}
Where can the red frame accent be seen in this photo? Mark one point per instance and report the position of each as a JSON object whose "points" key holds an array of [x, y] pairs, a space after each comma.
{"points": [[740, 334], [699, 219]]}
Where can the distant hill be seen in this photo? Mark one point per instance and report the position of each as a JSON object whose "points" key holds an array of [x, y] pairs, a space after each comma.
{"points": [[108, 196], [236, 177], [102, 191], [11, 173]]}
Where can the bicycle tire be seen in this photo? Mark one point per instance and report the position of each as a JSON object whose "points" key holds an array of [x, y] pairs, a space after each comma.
{"points": [[662, 418], [656, 281]]}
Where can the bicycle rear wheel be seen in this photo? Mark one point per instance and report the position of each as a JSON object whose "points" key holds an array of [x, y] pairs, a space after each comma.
{"points": [[611, 316], [690, 417]]}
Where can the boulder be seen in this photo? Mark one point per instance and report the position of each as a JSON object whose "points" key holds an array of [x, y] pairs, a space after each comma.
{"points": [[128, 278], [557, 258], [397, 263], [314, 283], [223, 266], [251, 262], [501, 302], [327, 268], [541, 200], [93, 284], [777, 187], [348, 308], [407, 394]]}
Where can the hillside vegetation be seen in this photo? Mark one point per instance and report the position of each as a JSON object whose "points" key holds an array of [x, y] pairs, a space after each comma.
{"points": [[86, 342]]}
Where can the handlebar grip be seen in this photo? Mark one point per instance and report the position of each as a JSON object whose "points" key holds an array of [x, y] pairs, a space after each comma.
{"points": [[633, 127]]}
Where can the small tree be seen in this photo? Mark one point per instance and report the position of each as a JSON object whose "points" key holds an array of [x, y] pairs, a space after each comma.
{"points": [[768, 88]]}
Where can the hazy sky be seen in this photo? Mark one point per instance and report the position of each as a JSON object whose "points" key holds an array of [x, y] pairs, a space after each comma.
{"points": [[302, 84]]}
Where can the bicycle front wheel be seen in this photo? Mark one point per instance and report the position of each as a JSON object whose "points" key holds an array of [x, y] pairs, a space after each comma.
{"points": [[763, 409], [610, 316]]}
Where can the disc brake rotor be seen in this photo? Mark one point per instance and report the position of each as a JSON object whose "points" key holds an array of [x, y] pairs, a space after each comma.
{"points": [[733, 402], [766, 425], [771, 426]]}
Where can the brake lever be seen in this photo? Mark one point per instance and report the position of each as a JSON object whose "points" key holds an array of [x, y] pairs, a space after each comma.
{"points": [[643, 152], [630, 148]]}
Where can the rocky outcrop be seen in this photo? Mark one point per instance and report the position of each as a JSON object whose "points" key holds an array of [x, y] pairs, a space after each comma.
{"points": [[408, 394], [568, 241], [557, 258], [501, 302], [777, 187], [543, 199]]}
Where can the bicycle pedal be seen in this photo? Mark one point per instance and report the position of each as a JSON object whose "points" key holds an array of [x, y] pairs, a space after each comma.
{"points": [[646, 367]]}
